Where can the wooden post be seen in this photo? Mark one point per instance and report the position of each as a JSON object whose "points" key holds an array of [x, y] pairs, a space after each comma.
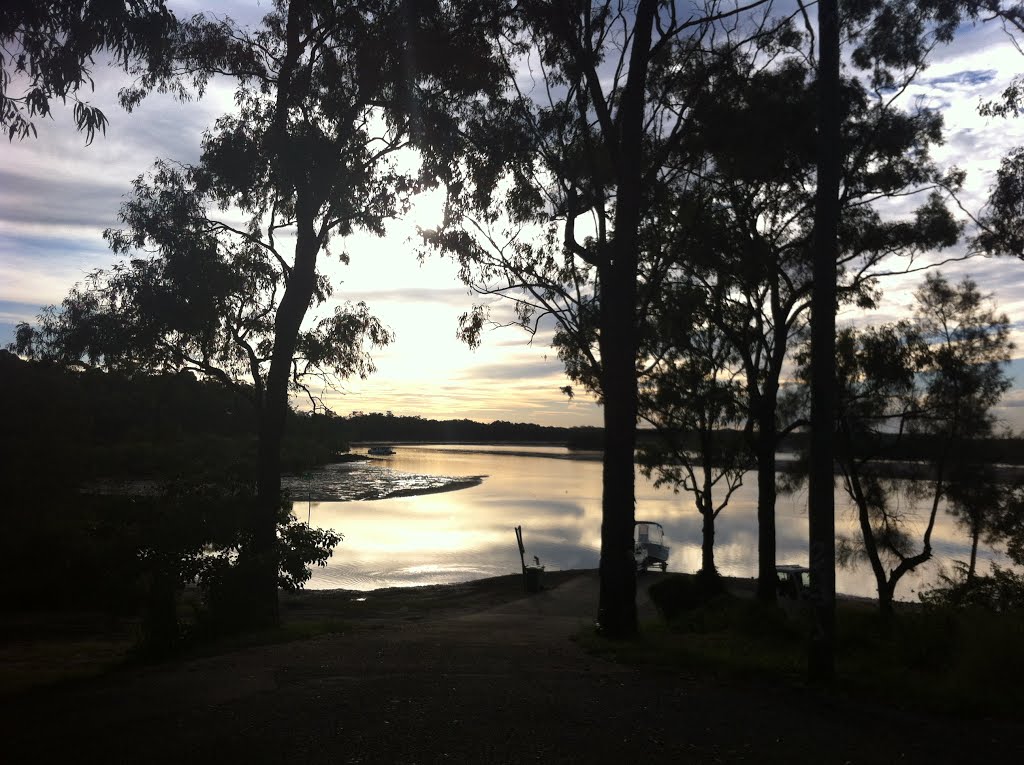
{"points": [[522, 552]]}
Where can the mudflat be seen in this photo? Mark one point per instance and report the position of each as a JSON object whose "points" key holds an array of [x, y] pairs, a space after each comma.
{"points": [[474, 673]]}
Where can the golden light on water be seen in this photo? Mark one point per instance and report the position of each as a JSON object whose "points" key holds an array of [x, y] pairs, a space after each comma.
{"points": [[467, 534]]}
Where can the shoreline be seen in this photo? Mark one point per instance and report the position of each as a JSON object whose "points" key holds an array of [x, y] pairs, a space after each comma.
{"points": [[739, 586]]}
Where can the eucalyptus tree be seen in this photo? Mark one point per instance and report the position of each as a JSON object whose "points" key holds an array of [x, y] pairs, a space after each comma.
{"points": [[224, 255], [47, 50], [691, 395], [936, 375], [752, 247], [1001, 222], [555, 207], [891, 41]]}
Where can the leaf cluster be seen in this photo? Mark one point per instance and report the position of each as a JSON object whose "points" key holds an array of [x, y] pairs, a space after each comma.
{"points": [[1001, 224], [48, 50], [938, 374]]}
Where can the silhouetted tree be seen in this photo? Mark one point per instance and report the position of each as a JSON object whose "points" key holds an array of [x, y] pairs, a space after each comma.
{"points": [[889, 38], [752, 246], [555, 207], [1001, 223], [938, 374], [691, 389], [48, 50], [328, 95]]}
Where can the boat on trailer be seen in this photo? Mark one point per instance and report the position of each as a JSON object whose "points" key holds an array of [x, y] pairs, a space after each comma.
{"points": [[649, 545], [794, 582]]}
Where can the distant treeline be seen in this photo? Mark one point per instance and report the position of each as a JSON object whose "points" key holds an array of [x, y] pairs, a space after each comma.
{"points": [[61, 427], [64, 426], [375, 426], [887, 446]]}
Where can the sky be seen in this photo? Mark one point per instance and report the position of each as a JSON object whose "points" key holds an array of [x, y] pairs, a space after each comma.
{"points": [[58, 195]]}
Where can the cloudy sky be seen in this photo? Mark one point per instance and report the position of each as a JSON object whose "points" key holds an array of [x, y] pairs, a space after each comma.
{"points": [[57, 196]]}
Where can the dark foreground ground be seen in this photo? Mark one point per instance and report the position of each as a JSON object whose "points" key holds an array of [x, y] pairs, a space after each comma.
{"points": [[470, 674]]}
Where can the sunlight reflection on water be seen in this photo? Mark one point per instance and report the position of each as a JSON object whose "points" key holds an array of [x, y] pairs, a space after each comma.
{"points": [[455, 536]]}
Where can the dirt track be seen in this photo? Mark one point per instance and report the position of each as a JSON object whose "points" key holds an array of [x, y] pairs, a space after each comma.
{"points": [[491, 682]]}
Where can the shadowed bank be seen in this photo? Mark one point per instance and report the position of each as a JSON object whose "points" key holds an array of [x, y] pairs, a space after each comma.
{"points": [[474, 672]]}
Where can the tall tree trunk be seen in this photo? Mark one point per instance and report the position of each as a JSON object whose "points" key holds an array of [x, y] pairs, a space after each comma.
{"points": [[885, 602], [975, 537], [821, 492], [765, 449], [707, 545], [263, 555], [290, 313], [618, 344], [617, 607]]}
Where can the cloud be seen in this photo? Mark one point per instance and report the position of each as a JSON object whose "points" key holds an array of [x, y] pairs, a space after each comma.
{"points": [[28, 202], [12, 312], [454, 296], [967, 78], [56, 197], [516, 371]]}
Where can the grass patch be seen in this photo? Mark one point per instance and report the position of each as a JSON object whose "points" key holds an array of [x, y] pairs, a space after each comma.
{"points": [[286, 633], [965, 662], [724, 636]]}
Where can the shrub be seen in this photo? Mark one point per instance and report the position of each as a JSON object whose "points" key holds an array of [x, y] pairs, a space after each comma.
{"points": [[1001, 590], [676, 594]]}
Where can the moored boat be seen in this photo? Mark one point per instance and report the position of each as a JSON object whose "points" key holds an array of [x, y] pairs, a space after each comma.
{"points": [[649, 545]]}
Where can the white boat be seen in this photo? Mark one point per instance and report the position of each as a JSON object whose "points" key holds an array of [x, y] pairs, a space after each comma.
{"points": [[649, 545], [794, 582], [380, 451]]}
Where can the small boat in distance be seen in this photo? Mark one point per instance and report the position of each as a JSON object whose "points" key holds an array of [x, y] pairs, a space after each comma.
{"points": [[794, 582], [649, 549], [380, 451]]}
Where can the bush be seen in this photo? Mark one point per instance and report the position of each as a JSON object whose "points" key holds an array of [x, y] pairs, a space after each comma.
{"points": [[676, 594], [1000, 591], [137, 555]]}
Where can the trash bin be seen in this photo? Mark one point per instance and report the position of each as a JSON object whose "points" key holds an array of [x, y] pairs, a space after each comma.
{"points": [[534, 578]]}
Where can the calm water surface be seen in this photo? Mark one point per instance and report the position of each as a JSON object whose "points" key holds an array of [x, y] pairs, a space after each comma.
{"points": [[408, 538]]}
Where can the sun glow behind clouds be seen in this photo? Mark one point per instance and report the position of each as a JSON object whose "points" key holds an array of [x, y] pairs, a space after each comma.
{"points": [[56, 196], [428, 371]]}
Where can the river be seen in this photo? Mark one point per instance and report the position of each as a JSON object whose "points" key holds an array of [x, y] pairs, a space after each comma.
{"points": [[449, 511]]}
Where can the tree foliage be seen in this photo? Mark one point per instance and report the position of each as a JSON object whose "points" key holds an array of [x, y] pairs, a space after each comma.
{"points": [[692, 389], [48, 51], [1001, 223], [223, 255], [749, 244], [1001, 591], [938, 374], [566, 187]]}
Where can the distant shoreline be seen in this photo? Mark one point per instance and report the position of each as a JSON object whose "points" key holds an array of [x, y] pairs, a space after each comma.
{"points": [[481, 448], [785, 462]]}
